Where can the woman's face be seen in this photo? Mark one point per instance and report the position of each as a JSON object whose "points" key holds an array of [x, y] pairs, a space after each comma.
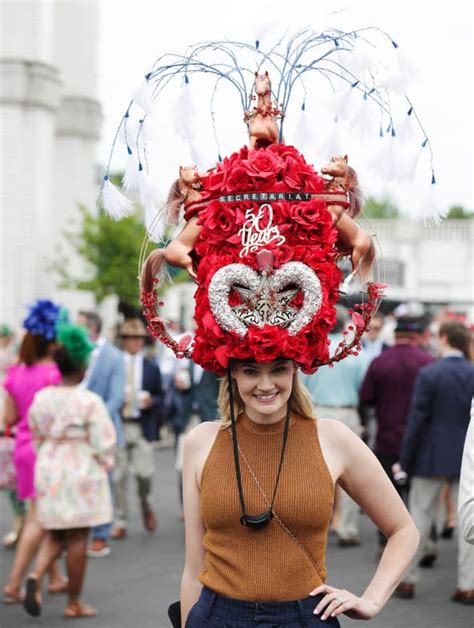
{"points": [[264, 388]]}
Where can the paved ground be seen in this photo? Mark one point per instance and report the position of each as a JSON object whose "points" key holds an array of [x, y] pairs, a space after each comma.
{"points": [[134, 585]]}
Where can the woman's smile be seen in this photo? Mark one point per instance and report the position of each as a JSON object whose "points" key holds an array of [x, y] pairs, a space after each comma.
{"points": [[266, 397]]}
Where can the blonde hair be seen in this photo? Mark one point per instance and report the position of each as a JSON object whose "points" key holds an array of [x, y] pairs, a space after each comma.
{"points": [[300, 400]]}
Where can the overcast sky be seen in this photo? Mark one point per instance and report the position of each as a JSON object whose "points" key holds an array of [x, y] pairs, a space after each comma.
{"points": [[437, 37]]}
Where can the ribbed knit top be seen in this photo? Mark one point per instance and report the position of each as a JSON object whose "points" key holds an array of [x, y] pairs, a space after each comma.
{"points": [[266, 564]]}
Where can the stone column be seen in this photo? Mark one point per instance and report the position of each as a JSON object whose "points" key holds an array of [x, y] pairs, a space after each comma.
{"points": [[78, 128], [30, 89]]}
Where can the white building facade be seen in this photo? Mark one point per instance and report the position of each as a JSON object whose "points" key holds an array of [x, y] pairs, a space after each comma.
{"points": [[50, 123], [430, 264]]}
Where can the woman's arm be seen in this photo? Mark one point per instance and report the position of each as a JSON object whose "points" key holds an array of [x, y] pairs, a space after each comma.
{"points": [[195, 444], [466, 486], [10, 411], [364, 479], [101, 432]]}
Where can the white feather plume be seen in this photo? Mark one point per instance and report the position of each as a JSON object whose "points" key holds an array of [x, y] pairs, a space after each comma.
{"points": [[143, 95], [364, 123], [392, 79], [429, 207], [407, 164], [131, 177], [341, 99], [406, 66], [150, 132], [154, 223], [129, 131], [362, 59], [116, 204], [154, 213], [187, 121], [406, 129], [384, 157]]}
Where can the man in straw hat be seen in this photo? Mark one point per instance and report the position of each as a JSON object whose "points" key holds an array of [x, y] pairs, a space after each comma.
{"points": [[143, 397]]}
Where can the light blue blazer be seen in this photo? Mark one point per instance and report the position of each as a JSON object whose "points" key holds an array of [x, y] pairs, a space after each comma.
{"points": [[108, 381]]}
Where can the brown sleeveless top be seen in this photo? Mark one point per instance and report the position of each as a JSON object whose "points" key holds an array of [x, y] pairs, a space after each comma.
{"points": [[266, 564]]}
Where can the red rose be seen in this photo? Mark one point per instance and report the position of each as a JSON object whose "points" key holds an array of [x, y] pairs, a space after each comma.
{"points": [[312, 221], [284, 150], [315, 255], [237, 180], [307, 214], [215, 181], [293, 175], [263, 164], [266, 342], [219, 221]]}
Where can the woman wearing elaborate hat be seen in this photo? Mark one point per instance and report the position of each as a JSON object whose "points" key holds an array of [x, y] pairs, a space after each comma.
{"points": [[259, 484], [262, 237]]}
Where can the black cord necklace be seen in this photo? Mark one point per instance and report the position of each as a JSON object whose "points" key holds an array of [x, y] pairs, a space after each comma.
{"points": [[253, 521]]}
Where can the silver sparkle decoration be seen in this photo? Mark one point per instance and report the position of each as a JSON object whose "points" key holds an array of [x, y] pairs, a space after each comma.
{"points": [[219, 290], [264, 299], [307, 281]]}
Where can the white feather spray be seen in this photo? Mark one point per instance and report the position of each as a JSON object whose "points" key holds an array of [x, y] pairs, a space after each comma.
{"points": [[116, 204]]}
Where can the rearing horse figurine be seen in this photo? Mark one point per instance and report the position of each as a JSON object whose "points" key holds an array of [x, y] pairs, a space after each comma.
{"points": [[260, 120]]}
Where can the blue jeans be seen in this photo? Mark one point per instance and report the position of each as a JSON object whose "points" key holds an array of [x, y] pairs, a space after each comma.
{"points": [[103, 531], [217, 611]]}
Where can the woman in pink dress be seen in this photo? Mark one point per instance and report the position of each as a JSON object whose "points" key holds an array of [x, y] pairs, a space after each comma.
{"points": [[75, 438], [34, 371]]}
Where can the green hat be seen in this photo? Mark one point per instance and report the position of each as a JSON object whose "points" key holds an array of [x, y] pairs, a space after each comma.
{"points": [[76, 342], [5, 331]]}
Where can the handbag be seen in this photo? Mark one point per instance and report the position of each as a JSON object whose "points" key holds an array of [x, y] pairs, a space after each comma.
{"points": [[7, 466], [174, 613]]}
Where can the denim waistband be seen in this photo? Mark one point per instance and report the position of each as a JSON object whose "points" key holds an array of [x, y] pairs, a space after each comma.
{"points": [[213, 604]]}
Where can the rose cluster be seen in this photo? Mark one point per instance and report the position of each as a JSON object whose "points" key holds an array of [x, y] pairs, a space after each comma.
{"points": [[309, 237]]}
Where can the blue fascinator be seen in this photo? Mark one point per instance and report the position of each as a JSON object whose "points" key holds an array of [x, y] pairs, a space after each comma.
{"points": [[44, 317]]}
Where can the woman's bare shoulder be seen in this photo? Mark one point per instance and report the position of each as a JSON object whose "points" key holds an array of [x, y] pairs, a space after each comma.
{"points": [[334, 431], [202, 434], [340, 446]]}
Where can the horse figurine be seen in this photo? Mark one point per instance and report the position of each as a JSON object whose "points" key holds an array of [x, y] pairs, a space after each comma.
{"points": [[260, 120], [185, 190], [351, 239]]}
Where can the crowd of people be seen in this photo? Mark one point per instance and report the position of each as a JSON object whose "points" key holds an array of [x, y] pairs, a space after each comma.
{"points": [[86, 410]]}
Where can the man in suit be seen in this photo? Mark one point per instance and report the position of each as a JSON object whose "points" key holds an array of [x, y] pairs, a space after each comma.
{"points": [[388, 387], [140, 416], [106, 377], [433, 444], [372, 341]]}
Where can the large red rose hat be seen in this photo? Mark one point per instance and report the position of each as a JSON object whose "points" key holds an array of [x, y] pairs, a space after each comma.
{"points": [[263, 231], [267, 276], [265, 258]]}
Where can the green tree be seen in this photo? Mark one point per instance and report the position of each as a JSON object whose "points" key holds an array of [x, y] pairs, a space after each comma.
{"points": [[111, 250], [459, 212], [385, 208]]}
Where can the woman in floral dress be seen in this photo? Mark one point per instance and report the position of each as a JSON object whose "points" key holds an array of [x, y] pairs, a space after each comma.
{"points": [[35, 370], [75, 437]]}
